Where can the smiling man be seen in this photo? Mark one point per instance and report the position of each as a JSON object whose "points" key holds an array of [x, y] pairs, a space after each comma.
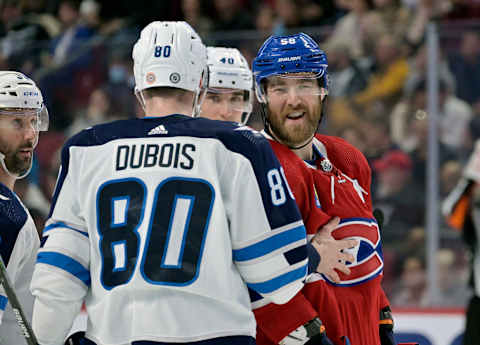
{"points": [[22, 116], [291, 84]]}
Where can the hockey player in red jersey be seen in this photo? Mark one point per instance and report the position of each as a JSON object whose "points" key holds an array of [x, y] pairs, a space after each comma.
{"points": [[226, 82], [291, 84]]}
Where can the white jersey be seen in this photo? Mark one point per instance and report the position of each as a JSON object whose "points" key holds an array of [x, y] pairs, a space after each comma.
{"points": [[159, 225], [19, 243]]}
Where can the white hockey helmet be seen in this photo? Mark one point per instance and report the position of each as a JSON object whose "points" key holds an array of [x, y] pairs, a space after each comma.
{"points": [[228, 69], [169, 54], [19, 96]]}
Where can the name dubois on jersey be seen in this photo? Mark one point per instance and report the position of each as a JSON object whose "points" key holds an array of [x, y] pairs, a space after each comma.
{"points": [[168, 155]]}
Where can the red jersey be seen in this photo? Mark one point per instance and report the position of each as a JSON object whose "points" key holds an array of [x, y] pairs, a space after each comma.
{"points": [[336, 183]]}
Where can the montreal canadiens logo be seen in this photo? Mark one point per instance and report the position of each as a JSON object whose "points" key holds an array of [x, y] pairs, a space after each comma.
{"points": [[326, 165], [150, 77], [175, 77]]}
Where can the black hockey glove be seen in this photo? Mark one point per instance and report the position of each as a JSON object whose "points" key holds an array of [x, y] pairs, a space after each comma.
{"points": [[386, 327], [311, 333], [75, 339]]}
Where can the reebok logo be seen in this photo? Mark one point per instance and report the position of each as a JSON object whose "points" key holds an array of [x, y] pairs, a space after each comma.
{"points": [[2, 197], [158, 130]]}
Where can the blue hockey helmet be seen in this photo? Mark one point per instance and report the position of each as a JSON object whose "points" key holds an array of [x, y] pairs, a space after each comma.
{"points": [[283, 55]]}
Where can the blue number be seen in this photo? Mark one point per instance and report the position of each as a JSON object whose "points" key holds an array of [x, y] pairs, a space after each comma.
{"points": [[166, 51], [230, 60], [174, 244], [124, 231]]}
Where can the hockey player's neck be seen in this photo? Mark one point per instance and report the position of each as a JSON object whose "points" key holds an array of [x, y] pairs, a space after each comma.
{"points": [[162, 107], [6, 179], [305, 153]]}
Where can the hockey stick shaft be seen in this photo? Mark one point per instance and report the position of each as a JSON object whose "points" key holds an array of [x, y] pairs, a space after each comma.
{"points": [[17, 308]]}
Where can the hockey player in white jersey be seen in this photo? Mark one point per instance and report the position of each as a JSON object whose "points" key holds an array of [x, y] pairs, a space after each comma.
{"points": [[230, 86], [22, 116], [159, 224]]}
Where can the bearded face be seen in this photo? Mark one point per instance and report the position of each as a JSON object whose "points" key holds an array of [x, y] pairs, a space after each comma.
{"points": [[18, 138], [294, 109]]}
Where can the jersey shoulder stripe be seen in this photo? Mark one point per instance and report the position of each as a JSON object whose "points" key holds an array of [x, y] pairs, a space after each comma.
{"points": [[13, 217]]}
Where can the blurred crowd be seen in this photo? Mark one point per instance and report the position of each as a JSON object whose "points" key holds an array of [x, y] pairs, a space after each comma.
{"points": [[79, 52]]}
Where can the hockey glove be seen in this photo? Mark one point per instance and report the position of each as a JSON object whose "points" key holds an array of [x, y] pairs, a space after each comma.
{"points": [[386, 327], [311, 333], [75, 339]]}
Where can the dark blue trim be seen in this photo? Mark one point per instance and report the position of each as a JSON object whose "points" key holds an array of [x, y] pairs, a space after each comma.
{"points": [[280, 281], [269, 244], [358, 219], [66, 263], [313, 258], [13, 217]]}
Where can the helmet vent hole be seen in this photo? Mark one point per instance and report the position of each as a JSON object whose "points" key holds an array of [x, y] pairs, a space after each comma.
{"points": [[13, 93], [233, 82], [220, 81]]}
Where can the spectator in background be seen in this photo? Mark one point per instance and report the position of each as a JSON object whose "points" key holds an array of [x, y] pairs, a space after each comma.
{"points": [[74, 33], [389, 73], [193, 13], [394, 16], [287, 16], [451, 281], [418, 71], [26, 35], [230, 15], [411, 289], [120, 82], [414, 139], [465, 66], [397, 195], [450, 173], [265, 19], [421, 12], [99, 110], [358, 29], [347, 76]]}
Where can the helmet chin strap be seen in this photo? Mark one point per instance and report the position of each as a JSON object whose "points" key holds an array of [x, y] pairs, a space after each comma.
{"points": [[15, 176]]}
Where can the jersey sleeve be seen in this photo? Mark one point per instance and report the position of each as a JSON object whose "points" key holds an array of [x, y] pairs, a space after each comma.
{"points": [[274, 321], [267, 232], [61, 276]]}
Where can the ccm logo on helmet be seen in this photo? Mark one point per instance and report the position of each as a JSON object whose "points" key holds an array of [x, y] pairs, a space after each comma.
{"points": [[30, 93]]}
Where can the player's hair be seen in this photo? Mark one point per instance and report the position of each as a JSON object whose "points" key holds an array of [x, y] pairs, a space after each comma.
{"points": [[166, 92]]}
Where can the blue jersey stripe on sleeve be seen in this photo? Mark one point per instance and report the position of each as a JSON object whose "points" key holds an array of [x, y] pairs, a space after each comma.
{"points": [[269, 244], [63, 225], [276, 283], [3, 302], [66, 263]]}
